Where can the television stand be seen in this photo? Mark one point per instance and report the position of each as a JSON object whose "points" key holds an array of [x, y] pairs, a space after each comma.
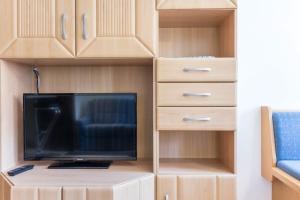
{"points": [[80, 165]]}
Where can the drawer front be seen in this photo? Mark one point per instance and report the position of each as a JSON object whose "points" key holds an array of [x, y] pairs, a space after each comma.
{"points": [[196, 118], [196, 94], [197, 187], [196, 70], [166, 187]]}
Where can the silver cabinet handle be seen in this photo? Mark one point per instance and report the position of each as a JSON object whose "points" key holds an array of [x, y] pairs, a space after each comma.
{"points": [[196, 119], [167, 197], [196, 69], [63, 26], [84, 22], [191, 94]]}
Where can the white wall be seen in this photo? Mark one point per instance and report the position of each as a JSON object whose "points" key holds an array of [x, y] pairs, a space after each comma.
{"points": [[269, 74]]}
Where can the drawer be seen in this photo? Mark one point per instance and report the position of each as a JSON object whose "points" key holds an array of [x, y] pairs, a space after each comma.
{"points": [[196, 94], [196, 118], [196, 70], [166, 187]]}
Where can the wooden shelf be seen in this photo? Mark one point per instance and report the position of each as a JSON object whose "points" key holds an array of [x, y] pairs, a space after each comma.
{"points": [[205, 152], [119, 172], [194, 33], [193, 18], [85, 62], [193, 166]]}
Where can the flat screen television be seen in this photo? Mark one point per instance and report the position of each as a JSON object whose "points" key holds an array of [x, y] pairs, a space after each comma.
{"points": [[80, 127]]}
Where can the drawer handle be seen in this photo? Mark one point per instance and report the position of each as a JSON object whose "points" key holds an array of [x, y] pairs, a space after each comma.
{"points": [[196, 119], [167, 197], [84, 23], [191, 94], [63, 26], [196, 69]]}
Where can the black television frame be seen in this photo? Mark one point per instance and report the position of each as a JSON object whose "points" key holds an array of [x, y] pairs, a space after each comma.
{"points": [[79, 161]]}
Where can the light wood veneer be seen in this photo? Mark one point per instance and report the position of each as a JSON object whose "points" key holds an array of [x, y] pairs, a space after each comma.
{"points": [[116, 28], [193, 160], [195, 4], [204, 166], [185, 70], [196, 33], [139, 188], [118, 173], [70, 28], [196, 94], [32, 29], [173, 118], [196, 187]]}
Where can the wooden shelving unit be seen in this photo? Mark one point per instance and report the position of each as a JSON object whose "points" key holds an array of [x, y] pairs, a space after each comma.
{"points": [[179, 56], [196, 122]]}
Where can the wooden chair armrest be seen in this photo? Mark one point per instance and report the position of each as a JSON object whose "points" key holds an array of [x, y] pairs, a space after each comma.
{"points": [[286, 179]]}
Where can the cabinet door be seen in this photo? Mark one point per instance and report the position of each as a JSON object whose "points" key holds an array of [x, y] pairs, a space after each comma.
{"points": [[5, 188], [127, 191], [37, 28], [48, 193], [189, 4], [24, 193], [74, 193], [166, 187], [226, 188], [115, 28], [147, 191], [197, 187], [97, 193]]}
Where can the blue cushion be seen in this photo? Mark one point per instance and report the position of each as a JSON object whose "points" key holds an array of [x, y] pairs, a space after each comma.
{"points": [[292, 167], [287, 135]]}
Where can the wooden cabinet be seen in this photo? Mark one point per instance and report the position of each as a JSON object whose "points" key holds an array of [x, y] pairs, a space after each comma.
{"points": [[104, 28], [37, 29], [192, 4], [196, 187], [115, 28], [135, 189]]}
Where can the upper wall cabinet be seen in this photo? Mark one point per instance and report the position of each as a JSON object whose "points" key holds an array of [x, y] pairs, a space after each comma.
{"points": [[194, 4], [115, 28], [37, 28]]}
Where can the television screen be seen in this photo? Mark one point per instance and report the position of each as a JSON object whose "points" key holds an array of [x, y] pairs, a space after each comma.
{"points": [[75, 127]]}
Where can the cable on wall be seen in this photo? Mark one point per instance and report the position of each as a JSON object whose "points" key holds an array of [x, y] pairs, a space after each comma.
{"points": [[37, 77]]}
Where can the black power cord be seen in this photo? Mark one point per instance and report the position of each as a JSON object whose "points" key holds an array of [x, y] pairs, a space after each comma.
{"points": [[37, 76]]}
